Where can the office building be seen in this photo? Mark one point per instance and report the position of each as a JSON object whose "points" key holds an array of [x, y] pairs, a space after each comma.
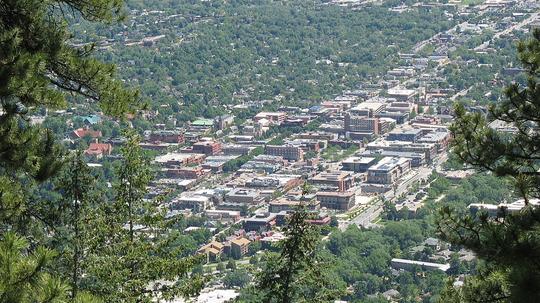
{"points": [[388, 170], [336, 180], [336, 200], [358, 164], [288, 152]]}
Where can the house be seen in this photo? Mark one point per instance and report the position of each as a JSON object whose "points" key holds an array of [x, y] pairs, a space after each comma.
{"points": [[91, 119], [86, 132], [239, 247], [98, 150]]}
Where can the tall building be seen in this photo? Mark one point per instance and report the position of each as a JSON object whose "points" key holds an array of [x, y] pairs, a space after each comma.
{"points": [[368, 109], [361, 124]]}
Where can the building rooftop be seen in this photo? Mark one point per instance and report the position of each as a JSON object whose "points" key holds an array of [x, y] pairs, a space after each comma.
{"points": [[180, 157], [443, 267], [333, 175], [401, 92], [243, 192], [194, 198], [241, 241], [388, 163], [412, 131], [262, 218], [368, 106], [360, 160], [434, 137], [336, 193], [203, 122]]}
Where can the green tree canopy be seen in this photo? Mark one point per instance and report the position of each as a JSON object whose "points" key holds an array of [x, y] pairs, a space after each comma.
{"points": [[39, 67], [510, 243]]}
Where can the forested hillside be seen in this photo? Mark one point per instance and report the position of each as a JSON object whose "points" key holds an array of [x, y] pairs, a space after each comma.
{"points": [[226, 52]]}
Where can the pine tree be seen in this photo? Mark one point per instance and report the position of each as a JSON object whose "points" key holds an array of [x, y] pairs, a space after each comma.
{"points": [[75, 212], [22, 276], [296, 274], [510, 243], [135, 260], [39, 68]]}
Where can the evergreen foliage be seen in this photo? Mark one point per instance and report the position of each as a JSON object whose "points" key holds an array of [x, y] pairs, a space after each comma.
{"points": [[135, 258], [509, 243], [297, 273]]}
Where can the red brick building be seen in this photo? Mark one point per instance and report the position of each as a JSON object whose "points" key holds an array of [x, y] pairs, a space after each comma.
{"points": [[167, 136], [208, 148]]}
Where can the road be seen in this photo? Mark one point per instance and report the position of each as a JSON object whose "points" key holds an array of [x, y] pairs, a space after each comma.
{"points": [[366, 217], [461, 93], [369, 215], [533, 17]]}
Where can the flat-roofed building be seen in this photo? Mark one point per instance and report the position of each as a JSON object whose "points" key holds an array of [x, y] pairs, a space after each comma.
{"points": [[288, 152], [239, 247], [167, 136], [411, 264], [197, 203], [361, 124], [426, 119], [338, 180], [275, 181], [284, 204], [386, 125], [368, 109], [388, 170], [273, 117], [440, 138], [305, 144], [337, 200], [270, 159], [399, 117], [494, 209], [259, 166], [417, 159], [186, 172], [428, 149], [244, 196], [317, 136], [217, 163], [402, 94], [358, 164], [208, 148], [179, 159], [409, 135], [402, 107], [223, 215], [237, 149], [260, 222]]}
